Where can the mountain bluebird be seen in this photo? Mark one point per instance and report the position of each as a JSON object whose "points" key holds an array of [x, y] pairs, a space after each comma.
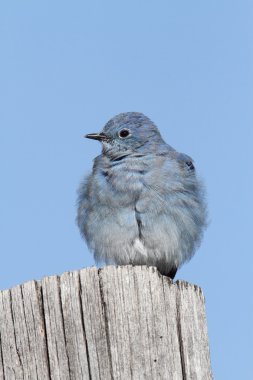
{"points": [[143, 204]]}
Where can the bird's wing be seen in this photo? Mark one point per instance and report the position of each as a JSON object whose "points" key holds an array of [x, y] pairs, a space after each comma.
{"points": [[185, 161]]}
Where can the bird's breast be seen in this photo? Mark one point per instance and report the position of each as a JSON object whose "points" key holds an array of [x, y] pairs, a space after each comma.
{"points": [[122, 181], [127, 181]]}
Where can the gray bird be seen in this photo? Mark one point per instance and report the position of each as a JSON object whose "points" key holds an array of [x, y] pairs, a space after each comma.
{"points": [[143, 203]]}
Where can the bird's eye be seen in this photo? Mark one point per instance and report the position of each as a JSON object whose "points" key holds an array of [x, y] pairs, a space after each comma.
{"points": [[124, 133]]}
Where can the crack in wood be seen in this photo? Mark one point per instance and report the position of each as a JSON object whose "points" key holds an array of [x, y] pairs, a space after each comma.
{"points": [[104, 306], [180, 338], [83, 325], [39, 289]]}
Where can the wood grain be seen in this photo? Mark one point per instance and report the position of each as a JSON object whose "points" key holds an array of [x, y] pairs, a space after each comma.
{"points": [[111, 323]]}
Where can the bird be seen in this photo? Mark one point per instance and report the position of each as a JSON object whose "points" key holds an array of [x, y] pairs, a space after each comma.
{"points": [[143, 203]]}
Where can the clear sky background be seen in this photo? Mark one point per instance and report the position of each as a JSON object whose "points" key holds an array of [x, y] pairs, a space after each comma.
{"points": [[66, 67]]}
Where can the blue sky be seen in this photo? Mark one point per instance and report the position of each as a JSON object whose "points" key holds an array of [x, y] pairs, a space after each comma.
{"points": [[66, 68]]}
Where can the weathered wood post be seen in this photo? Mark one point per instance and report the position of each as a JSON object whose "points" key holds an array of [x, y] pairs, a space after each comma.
{"points": [[114, 323]]}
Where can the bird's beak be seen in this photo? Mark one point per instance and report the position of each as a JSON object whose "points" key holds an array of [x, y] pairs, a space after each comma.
{"points": [[97, 136]]}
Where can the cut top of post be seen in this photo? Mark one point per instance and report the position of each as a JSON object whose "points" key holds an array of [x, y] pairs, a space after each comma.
{"points": [[111, 323]]}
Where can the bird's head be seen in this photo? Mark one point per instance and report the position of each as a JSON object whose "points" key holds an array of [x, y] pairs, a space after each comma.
{"points": [[127, 133]]}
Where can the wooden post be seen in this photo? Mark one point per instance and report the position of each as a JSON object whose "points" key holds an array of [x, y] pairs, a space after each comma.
{"points": [[112, 323]]}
